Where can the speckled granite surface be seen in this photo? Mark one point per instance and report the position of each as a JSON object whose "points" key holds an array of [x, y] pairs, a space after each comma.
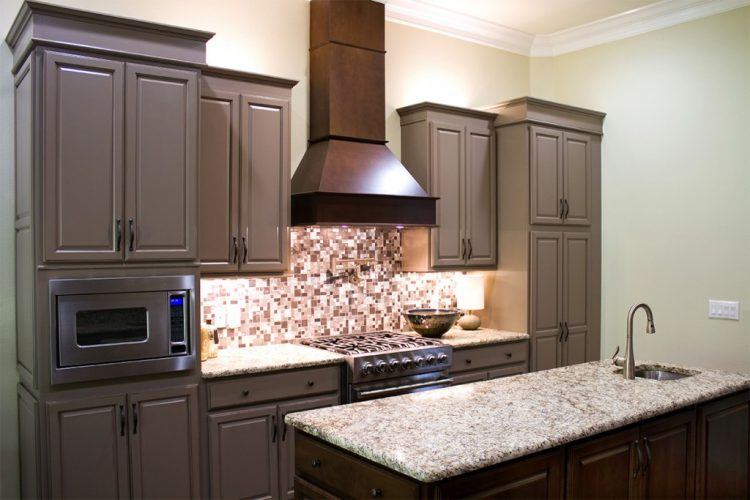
{"points": [[459, 338], [446, 432], [265, 358]]}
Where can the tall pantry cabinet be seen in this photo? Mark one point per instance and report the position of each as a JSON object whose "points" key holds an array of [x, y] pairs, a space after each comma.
{"points": [[549, 267]]}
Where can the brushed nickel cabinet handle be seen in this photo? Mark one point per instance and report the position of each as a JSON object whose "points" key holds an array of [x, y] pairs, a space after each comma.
{"points": [[283, 428], [135, 419], [244, 249], [275, 428], [245, 392], [463, 248], [471, 250], [118, 234], [567, 209], [562, 332], [131, 230], [567, 331], [562, 209], [315, 463], [122, 420], [376, 492], [235, 252], [640, 459], [310, 383]]}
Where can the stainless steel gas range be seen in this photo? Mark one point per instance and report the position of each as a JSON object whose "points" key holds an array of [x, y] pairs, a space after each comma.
{"points": [[381, 364]]}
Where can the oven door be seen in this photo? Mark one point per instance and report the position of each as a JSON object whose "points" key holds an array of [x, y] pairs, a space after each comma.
{"points": [[397, 386], [112, 327]]}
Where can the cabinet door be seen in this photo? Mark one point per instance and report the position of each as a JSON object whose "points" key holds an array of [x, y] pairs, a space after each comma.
{"points": [[723, 467], [546, 174], [264, 198], [243, 453], [161, 163], [545, 299], [219, 181], [669, 445], [576, 275], [88, 448], [286, 447], [83, 158], [164, 443], [577, 178], [481, 199], [539, 477], [603, 467], [448, 241]]}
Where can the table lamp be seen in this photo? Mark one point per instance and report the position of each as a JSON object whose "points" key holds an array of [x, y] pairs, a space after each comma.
{"points": [[469, 298]]}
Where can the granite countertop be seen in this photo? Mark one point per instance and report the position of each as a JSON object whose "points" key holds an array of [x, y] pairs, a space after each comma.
{"points": [[459, 338], [442, 433], [266, 358]]}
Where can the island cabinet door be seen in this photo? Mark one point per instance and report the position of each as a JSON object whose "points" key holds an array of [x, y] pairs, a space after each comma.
{"points": [[286, 450], [724, 448], [243, 454], [545, 299], [668, 471], [539, 477], [604, 467]]}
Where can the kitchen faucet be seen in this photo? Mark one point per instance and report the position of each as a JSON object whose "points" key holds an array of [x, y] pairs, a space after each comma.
{"points": [[629, 369]]}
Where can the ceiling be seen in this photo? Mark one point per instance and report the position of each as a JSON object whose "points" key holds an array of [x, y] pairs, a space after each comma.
{"points": [[540, 17]]}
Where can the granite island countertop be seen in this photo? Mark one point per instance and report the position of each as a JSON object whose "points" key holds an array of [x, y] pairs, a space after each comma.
{"points": [[443, 433], [266, 358]]}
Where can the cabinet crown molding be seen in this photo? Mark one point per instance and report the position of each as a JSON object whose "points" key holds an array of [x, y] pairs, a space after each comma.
{"points": [[539, 111]]}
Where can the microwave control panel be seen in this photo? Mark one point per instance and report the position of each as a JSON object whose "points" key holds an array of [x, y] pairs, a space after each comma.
{"points": [[179, 322]]}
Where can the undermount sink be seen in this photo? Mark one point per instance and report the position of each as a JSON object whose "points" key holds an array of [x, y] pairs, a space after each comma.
{"points": [[661, 374]]}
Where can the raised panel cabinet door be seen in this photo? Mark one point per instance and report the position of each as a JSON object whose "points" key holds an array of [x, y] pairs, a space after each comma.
{"points": [[576, 300], [286, 447], [161, 107], [243, 453], [164, 443], [83, 158], [88, 448], [218, 175], [539, 477], [603, 468], [264, 177], [546, 176], [481, 199], [669, 469], [577, 179], [723, 462], [545, 301], [447, 156]]}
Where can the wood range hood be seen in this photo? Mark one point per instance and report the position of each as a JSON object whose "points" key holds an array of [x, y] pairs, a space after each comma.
{"points": [[348, 175]]}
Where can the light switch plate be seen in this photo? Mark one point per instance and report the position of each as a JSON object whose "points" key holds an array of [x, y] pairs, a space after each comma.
{"points": [[724, 309]]}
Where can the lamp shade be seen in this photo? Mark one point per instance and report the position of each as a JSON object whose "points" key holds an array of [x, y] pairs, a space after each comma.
{"points": [[470, 292]]}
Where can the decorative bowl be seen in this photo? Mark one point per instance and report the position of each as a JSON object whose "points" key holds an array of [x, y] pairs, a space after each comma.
{"points": [[431, 322]]}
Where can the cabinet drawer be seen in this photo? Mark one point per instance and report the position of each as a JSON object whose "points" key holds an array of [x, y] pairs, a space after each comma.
{"points": [[347, 476], [258, 388], [489, 356]]}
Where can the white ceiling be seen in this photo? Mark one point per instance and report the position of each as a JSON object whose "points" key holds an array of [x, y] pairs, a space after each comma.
{"points": [[543, 28], [539, 17]]}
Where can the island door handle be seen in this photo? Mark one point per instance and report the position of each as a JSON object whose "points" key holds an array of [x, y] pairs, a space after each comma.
{"points": [[647, 445], [640, 459], [315, 463], [376, 492]]}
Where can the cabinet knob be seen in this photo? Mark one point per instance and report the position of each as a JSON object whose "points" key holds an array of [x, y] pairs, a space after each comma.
{"points": [[375, 492], [310, 383], [245, 392], [508, 355], [315, 463], [468, 361]]}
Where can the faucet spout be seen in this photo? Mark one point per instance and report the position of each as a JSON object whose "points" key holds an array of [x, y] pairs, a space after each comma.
{"points": [[629, 369]]}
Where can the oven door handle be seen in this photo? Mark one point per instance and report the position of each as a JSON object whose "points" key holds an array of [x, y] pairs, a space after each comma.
{"points": [[380, 392]]}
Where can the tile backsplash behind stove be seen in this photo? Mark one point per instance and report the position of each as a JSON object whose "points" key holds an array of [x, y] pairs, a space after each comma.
{"points": [[301, 304]]}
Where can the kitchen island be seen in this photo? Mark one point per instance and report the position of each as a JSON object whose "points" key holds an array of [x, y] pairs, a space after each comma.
{"points": [[579, 431]]}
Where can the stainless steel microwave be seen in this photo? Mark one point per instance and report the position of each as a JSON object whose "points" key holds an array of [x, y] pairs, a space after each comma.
{"points": [[117, 327]]}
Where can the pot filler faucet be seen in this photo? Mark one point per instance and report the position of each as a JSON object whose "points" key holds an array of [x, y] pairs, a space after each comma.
{"points": [[629, 369]]}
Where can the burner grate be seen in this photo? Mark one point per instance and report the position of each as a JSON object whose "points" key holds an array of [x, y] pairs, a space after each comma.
{"points": [[364, 343]]}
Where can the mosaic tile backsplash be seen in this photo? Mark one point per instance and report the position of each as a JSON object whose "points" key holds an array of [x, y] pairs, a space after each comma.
{"points": [[301, 304]]}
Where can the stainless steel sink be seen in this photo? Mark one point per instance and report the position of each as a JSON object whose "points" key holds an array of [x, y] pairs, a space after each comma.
{"points": [[661, 374]]}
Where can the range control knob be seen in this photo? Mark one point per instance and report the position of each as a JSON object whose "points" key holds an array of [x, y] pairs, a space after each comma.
{"points": [[442, 358], [430, 359], [419, 361], [393, 365], [405, 363], [366, 368], [380, 366]]}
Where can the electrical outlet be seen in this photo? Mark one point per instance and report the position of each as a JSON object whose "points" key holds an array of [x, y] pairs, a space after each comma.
{"points": [[724, 309]]}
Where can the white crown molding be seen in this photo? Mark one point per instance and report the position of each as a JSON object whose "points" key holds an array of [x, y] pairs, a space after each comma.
{"points": [[627, 24]]}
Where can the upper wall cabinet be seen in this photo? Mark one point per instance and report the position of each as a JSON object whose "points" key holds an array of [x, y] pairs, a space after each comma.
{"points": [[244, 173], [450, 151], [119, 160]]}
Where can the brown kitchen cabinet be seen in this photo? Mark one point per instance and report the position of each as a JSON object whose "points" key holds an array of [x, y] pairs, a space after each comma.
{"points": [[119, 184], [143, 444], [560, 298], [451, 152], [560, 177], [474, 364], [549, 244], [244, 173], [251, 449]]}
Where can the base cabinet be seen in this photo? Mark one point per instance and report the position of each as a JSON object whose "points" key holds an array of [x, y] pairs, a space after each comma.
{"points": [[474, 364], [143, 445]]}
